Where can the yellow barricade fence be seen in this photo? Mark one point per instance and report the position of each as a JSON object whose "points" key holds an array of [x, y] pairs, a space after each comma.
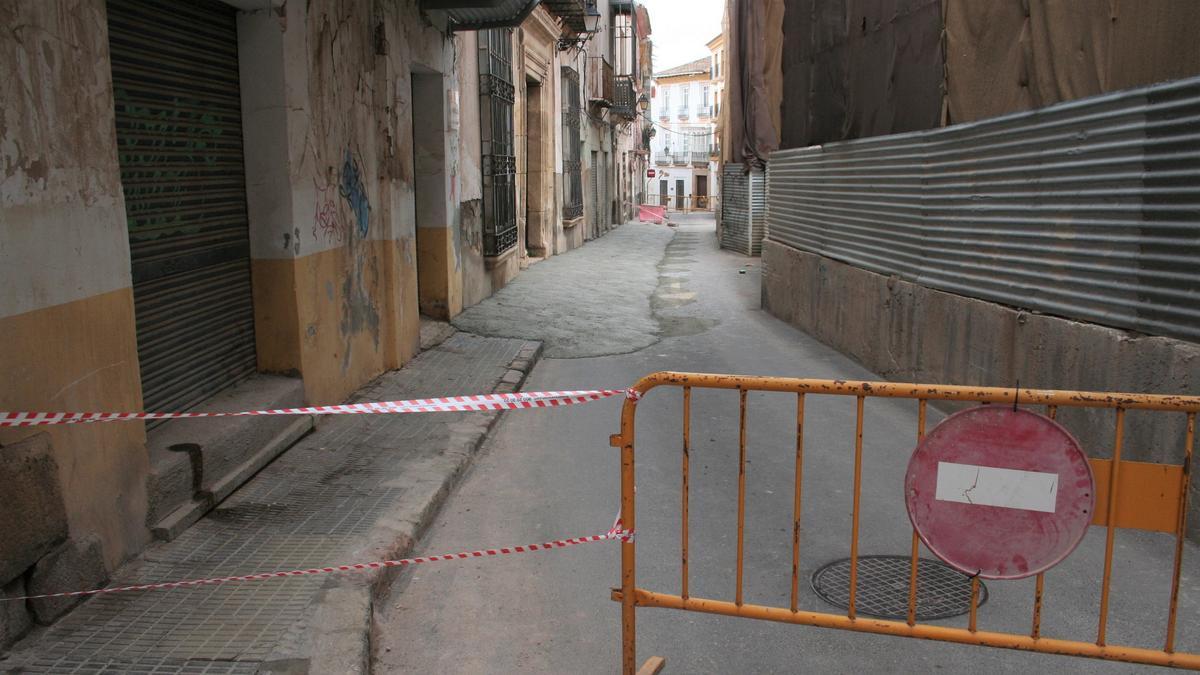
{"points": [[1121, 488]]}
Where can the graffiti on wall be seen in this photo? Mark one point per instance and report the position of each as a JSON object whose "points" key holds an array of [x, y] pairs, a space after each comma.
{"points": [[352, 190], [327, 226]]}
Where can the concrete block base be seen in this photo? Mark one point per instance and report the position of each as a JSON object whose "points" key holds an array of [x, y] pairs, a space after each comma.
{"points": [[33, 519], [73, 566], [15, 619], [907, 332]]}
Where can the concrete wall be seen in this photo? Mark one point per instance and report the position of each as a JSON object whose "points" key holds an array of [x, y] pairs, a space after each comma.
{"points": [[329, 125], [907, 332], [66, 306]]}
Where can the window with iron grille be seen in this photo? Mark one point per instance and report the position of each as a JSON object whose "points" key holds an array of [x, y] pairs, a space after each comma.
{"points": [[496, 96], [572, 162]]}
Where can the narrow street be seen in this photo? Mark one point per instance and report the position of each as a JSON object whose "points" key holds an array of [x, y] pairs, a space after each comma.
{"points": [[550, 474], [321, 321]]}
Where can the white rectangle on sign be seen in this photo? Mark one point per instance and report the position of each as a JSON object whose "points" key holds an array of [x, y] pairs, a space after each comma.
{"points": [[990, 486]]}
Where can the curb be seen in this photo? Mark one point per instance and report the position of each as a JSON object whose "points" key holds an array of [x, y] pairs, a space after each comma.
{"points": [[337, 636]]}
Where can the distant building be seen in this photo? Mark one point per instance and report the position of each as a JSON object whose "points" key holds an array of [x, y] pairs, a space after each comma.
{"points": [[685, 146]]}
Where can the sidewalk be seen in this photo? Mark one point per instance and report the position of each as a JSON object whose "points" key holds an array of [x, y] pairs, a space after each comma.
{"points": [[359, 488]]}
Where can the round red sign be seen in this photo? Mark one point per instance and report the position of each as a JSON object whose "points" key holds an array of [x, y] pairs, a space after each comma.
{"points": [[1000, 493]]}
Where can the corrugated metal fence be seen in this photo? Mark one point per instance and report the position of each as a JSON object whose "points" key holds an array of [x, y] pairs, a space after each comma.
{"points": [[1088, 209], [743, 210]]}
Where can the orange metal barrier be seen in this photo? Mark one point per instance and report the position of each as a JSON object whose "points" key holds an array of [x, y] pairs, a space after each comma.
{"points": [[1134, 494]]}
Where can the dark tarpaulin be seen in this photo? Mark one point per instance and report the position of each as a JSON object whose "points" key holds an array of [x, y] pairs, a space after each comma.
{"points": [[1005, 56], [751, 113], [858, 68]]}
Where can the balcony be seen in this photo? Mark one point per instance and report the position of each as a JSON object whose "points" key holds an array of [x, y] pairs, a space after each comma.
{"points": [[625, 103], [600, 81], [572, 13], [682, 113], [663, 159], [705, 111], [700, 157]]}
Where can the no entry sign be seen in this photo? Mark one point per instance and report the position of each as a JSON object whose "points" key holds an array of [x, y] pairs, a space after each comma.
{"points": [[1000, 493]]}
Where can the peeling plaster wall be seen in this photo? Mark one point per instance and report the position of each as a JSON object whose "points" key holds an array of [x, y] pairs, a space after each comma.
{"points": [[334, 244], [66, 306]]}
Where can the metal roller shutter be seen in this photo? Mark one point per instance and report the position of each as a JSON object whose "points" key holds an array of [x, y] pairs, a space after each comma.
{"points": [[179, 136]]}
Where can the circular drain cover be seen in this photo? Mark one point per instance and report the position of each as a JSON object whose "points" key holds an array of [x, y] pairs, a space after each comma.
{"points": [[942, 591]]}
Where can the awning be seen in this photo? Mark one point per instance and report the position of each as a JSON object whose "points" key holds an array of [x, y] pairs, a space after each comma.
{"points": [[481, 14], [572, 12]]}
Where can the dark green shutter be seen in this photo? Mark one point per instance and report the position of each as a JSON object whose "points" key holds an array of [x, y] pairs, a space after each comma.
{"points": [[179, 137]]}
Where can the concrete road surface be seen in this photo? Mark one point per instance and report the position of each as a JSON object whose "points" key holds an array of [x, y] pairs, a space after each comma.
{"points": [[548, 474]]}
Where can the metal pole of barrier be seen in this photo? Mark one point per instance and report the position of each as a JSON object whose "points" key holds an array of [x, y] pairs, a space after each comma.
{"points": [[796, 501], [1039, 591], [741, 517], [687, 425], [851, 612], [1181, 529], [628, 550], [922, 409], [1113, 475], [973, 621]]}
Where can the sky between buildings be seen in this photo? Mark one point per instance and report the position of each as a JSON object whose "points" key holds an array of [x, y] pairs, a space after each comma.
{"points": [[681, 28]]}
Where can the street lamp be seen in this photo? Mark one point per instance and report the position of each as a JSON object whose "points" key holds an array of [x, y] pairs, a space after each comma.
{"points": [[591, 17], [644, 103], [591, 26]]}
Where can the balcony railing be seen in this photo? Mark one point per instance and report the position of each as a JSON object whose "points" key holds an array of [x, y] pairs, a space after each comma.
{"points": [[663, 159], [705, 111], [599, 80], [625, 103], [682, 113], [700, 157]]}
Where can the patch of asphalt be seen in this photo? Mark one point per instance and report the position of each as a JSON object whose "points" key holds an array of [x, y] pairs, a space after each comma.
{"points": [[592, 301]]}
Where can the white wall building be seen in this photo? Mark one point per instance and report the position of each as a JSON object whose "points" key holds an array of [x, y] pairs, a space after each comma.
{"points": [[686, 147]]}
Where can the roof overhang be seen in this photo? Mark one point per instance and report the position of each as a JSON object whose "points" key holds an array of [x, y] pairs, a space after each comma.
{"points": [[482, 14], [572, 12]]}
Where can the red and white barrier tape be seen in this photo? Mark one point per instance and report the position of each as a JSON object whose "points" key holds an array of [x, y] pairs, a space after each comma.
{"points": [[616, 533], [514, 401]]}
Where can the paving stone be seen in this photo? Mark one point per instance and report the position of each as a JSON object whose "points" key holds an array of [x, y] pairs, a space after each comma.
{"points": [[568, 302], [359, 486], [74, 566], [33, 519], [15, 619]]}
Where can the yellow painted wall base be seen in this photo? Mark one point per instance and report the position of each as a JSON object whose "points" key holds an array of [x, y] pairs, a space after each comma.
{"points": [[338, 318], [439, 284], [82, 356]]}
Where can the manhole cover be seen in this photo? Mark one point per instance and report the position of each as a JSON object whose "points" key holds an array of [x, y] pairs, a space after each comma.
{"points": [[942, 591]]}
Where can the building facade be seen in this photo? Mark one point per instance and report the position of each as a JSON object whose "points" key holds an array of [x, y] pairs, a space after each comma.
{"points": [[250, 204], [685, 148]]}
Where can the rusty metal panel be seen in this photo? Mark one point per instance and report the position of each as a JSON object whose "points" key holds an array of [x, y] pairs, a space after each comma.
{"points": [[179, 135], [743, 210], [1088, 210]]}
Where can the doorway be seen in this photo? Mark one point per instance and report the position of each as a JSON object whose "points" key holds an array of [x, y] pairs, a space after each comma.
{"points": [[662, 193], [177, 104], [535, 175], [679, 194], [702, 192], [435, 244]]}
